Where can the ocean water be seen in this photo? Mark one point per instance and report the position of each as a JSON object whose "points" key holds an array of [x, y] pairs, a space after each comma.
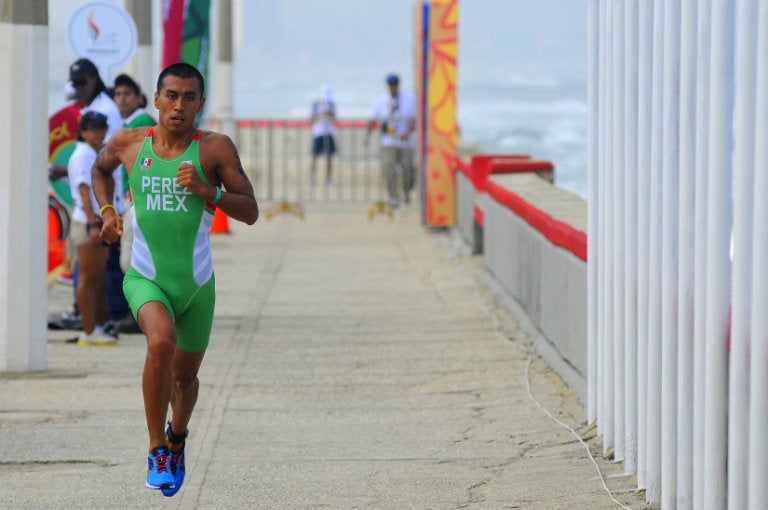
{"points": [[546, 120]]}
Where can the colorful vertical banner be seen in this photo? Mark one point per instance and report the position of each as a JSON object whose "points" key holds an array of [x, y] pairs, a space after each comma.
{"points": [[439, 40], [421, 17], [186, 33]]}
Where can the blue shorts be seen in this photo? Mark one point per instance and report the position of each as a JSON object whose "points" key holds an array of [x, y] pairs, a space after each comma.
{"points": [[324, 144]]}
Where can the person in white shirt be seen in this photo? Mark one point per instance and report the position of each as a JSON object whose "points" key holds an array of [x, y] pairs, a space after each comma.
{"points": [[91, 91], [395, 112], [84, 233], [322, 116]]}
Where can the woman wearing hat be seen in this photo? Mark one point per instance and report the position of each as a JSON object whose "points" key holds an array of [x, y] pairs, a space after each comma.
{"points": [[92, 93]]}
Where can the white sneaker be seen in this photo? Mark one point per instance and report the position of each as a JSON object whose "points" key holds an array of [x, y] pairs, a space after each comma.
{"points": [[97, 338]]}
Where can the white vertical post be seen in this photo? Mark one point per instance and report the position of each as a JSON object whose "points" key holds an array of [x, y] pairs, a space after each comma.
{"points": [[141, 67], [686, 255], [601, 204], [743, 182], [608, 178], [703, 36], [718, 247], [224, 110], [24, 43], [653, 460], [630, 228], [758, 399], [618, 172], [669, 253], [592, 207], [644, 81]]}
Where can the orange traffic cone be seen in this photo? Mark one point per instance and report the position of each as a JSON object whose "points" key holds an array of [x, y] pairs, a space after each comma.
{"points": [[220, 223]]}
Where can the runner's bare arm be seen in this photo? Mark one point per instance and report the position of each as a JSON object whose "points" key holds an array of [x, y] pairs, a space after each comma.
{"points": [[104, 189], [219, 157]]}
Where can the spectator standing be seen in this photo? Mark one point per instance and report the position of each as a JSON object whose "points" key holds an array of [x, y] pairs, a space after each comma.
{"points": [[91, 91], [395, 112], [322, 116], [91, 289], [131, 102]]}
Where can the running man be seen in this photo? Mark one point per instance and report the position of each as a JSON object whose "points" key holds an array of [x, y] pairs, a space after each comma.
{"points": [[177, 175]]}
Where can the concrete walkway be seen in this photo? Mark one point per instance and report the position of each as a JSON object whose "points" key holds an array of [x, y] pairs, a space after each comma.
{"points": [[353, 365]]}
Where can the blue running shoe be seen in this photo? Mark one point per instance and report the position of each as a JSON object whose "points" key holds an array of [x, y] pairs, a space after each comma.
{"points": [[159, 474], [178, 469]]}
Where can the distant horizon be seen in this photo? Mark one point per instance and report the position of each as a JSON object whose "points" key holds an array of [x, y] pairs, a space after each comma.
{"points": [[504, 41]]}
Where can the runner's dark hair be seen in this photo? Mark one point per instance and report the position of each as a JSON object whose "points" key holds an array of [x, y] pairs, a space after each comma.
{"points": [[184, 71]]}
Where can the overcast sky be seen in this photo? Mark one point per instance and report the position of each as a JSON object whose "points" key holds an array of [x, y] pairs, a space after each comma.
{"points": [[332, 40], [540, 39]]}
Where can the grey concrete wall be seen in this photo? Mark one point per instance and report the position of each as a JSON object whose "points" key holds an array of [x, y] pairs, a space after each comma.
{"points": [[465, 203], [548, 282]]}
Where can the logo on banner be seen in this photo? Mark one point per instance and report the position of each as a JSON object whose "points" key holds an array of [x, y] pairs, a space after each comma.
{"points": [[93, 28], [103, 33]]}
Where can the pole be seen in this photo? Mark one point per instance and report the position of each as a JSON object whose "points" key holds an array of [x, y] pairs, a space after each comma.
{"points": [[718, 261], [703, 22], [593, 114], [141, 67], [23, 268], [686, 256], [744, 168], [224, 70], [618, 172], [645, 75], [669, 253], [758, 399], [631, 239], [653, 460], [608, 178]]}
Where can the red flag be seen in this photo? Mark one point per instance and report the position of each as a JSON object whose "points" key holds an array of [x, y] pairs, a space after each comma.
{"points": [[173, 30]]}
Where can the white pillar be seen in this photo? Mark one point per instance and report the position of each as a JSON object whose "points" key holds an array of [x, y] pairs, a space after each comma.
{"points": [[644, 58], [653, 460], [608, 177], [718, 247], [23, 204], [601, 214], [593, 113], [703, 36], [630, 228], [758, 398], [669, 252], [224, 110], [686, 256], [141, 67], [618, 172], [743, 182]]}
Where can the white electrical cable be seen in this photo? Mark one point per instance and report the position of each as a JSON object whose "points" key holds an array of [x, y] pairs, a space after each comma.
{"points": [[451, 258]]}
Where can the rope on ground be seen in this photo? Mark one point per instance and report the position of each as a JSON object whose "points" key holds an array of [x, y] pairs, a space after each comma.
{"points": [[451, 258]]}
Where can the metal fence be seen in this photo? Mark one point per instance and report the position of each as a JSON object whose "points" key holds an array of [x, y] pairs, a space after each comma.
{"points": [[277, 156]]}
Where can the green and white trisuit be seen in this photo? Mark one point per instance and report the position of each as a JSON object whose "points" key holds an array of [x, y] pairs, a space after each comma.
{"points": [[171, 256]]}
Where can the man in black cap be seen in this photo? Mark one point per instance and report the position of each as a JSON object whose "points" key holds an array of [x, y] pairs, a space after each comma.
{"points": [[395, 112]]}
